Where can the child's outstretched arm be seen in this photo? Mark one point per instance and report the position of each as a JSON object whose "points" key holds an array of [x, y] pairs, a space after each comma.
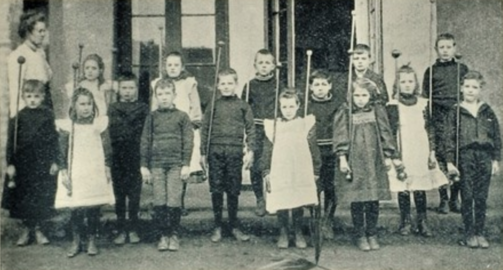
{"points": [[145, 148], [195, 113], [341, 137], [315, 154], [107, 148], [449, 142], [265, 162], [496, 138], [432, 143], [426, 84], [250, 133], [187, 146]]}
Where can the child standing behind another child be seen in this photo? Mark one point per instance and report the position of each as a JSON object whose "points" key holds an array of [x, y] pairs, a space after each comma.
{"points": [[166, 149], [127, 117]]}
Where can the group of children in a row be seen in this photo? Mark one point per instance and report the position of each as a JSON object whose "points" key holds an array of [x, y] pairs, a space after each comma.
{"points": [[344, 149]]}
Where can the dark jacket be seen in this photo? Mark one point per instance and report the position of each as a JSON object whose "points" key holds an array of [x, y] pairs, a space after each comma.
{"points": [[126, 124], [167, 139], [232, 118], [445, 82], [260, 94], [324, 111], [482, 132]]}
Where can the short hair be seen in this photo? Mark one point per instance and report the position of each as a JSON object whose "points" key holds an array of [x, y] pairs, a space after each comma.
{"points": [[396, 85], [101, 65], [368, 85], [445, 36], [264, 52], [176, 54], [127, 76], [320, 74], [165, 83], [290, 93], [34, 86], [28, 20], [76, 94], [228, 72], [361, 48], [474, 75]]}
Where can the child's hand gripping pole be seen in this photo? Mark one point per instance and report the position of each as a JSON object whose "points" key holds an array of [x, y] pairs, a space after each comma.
{"points": [[20, 60], [309, 53], [453, 173]]}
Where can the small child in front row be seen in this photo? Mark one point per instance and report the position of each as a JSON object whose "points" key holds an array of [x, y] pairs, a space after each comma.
{"points": [[291, 166], [84, 182], [478, 143], [224, 127], [364, 143], [29, 192], [166, 149], [127, 117], [323, 104], [409, 120]]}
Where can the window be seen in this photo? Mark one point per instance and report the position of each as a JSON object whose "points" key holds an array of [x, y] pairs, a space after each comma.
{"points": [[198, 31]]}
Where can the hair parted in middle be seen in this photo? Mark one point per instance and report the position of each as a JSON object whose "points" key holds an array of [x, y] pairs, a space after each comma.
{"points": [[396, 84], [76, 94]]}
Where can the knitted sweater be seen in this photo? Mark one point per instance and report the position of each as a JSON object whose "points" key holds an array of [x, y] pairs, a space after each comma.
{"points": [[167, 139], [232, 118], [324, 111], [260, 94], [445, 82]]}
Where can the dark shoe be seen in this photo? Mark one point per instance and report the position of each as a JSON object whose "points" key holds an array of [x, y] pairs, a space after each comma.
{"points": [[260, 211], [40, 237], [134, 238], [373, 244], [239, 235], [483, 243], [24, 238], [163, 244], [300, 241], [283, 239], [217, 235], [120, 239], [454, 206], [91, 246], [363, 244], [174, 243], [472, 242], [75, 248], [405, 226], [423, 229], [443, 208], [327, 231]]}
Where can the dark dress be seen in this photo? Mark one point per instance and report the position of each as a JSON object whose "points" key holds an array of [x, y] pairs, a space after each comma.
{"points": [[368, 146], [37, 148]]}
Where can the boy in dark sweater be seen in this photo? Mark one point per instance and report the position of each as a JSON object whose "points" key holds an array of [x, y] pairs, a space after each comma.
{"points": [[323, 105], [166, 149], [444, 91], [127, 117], [477, 139], [260, 93], [223, 130]]}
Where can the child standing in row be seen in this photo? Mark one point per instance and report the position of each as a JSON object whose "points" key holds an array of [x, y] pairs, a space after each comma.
{"points": [[476, 137], [225, 125], [127, 117], [365, 146], [31, 164], [93, 69], [291, 166], [84, 182], [260, 94], [166, 149], [188, 101], [408, 115], [323, 104], [445, 81]]}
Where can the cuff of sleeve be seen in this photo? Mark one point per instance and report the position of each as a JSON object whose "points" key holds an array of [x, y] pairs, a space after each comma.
{"points": [[449, 158], [144, 163], [265, 173]]}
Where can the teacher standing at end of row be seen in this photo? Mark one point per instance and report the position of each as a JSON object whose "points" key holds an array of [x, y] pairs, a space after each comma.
{"points": [[32, 29]]}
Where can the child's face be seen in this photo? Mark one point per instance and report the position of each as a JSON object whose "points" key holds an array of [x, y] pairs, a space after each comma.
{"points": [[288, 107], [174, 66], [471, 90], [361, 61], [84, 107], [361, 97], [33, 100], [406, 82], [320, 87], [264, 64], [128, 91], [165, 97], [446, 49], [91, 70], [226, 85]]}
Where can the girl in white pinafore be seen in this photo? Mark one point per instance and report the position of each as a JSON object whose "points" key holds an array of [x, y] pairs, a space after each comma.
{"points": [[84, 182], [291, 166], [187, 100], [408, 116]]}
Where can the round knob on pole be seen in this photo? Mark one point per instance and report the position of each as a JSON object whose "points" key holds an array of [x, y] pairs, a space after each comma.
{"points": [[221, 43], [396, 53], [21, 60], [353, 13], [279, 65], [458, 56], [81, 45], [309, 52], [350, 52], [75, 65]]}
